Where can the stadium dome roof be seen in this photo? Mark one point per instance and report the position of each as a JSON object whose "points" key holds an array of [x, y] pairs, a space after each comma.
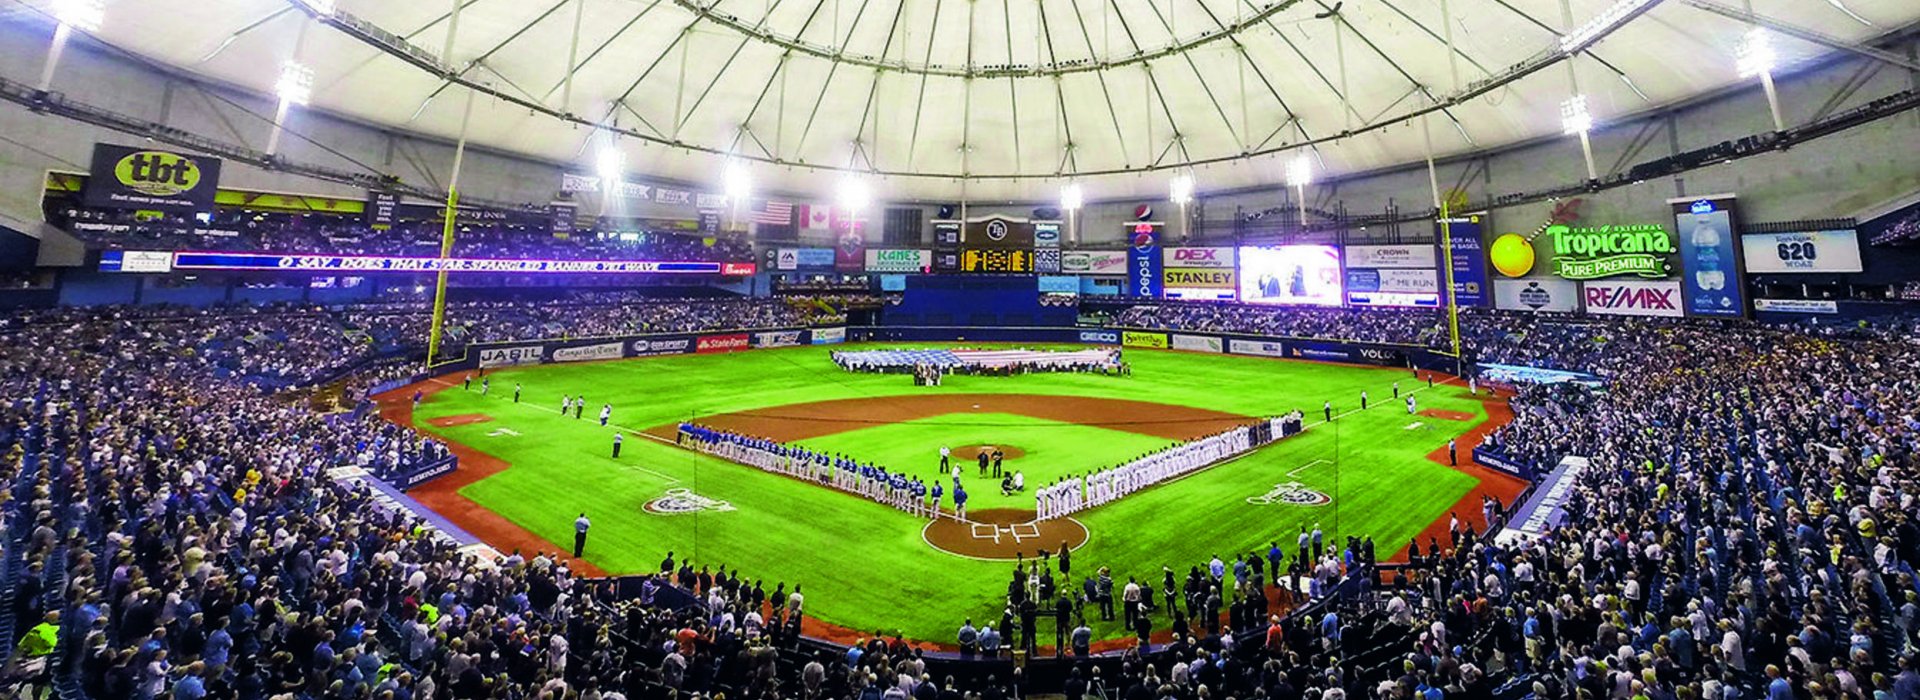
{"points": [[1014, 93]]}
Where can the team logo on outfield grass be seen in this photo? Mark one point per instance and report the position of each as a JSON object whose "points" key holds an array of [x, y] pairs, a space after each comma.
{"points": [[1292, 493], [684, 501]]}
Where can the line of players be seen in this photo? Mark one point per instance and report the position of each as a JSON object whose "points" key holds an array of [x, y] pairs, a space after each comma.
{"points": [[875, 483], [1108, 485]]}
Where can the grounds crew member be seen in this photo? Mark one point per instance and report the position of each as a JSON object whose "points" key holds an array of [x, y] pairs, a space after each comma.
{"points": [[616, 445], [580, 531]]}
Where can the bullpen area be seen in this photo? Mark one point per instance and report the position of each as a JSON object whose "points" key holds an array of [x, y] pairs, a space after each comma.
{"points": [[527, 470]]}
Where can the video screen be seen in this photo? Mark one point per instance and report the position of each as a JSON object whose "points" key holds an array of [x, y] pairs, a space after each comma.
{"points": [[1290, 274]]}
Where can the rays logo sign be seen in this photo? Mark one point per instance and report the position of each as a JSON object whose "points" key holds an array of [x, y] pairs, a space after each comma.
{"points": [[684, 501], [1291, 493]]}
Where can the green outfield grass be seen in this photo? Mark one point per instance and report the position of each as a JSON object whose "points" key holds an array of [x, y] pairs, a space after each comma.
{"points": [[1052, 449], [865, 565]]}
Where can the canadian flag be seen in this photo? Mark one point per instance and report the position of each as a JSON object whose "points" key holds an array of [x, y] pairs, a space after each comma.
{"points": [[816, 216], [829, 219]]}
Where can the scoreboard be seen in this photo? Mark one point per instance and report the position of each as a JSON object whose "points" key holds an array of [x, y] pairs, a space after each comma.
{"points": [[995, 260]]}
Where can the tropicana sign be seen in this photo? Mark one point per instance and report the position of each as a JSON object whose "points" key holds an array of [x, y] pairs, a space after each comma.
{"points": [[1593, 252]]}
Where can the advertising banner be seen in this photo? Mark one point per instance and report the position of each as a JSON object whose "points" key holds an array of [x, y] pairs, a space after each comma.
{"points": [[827, 336], [1340, 352], [1802, 251], [893, 283], [200, 260], [816, 259], [649, 347], [602, 351], [1200, 258], [1400, 281], [1143, 260], [1291, 274], [1137, 339], [1469, 259], [898, 260], [1632, 298], [1046, 234], [1392, 256], [1797, 306], [1595, 252], [1536, 295], [850, 254], [1263, 348], [563, 215], [1059, 285], [383, 209], [123, 177], [1198, 279], [786, 259], [507, 357], [136, 261], [1094, 262], [728, 342], [1197, 343], [776, 339], [1708, 236], [1046, 261], [1100, 337]]}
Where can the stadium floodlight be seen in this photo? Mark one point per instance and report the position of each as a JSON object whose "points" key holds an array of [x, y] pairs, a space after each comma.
{"points": [[1609, 19], [84, 15], [1574, 117], [1180, 190], [1755, 56], [853, 195], [609, 165], [1071, 198], [738, 183], [1300, 171], [296, 83]]}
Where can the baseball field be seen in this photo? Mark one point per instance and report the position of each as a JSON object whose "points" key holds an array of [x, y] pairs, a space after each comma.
{"points": [[527, 471]]}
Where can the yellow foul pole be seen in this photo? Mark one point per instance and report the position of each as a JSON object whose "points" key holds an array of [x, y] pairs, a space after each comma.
{"points": [[446, 238]]}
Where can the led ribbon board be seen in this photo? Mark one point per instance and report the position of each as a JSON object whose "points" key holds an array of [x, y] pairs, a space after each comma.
{"points": [[198, 260]]}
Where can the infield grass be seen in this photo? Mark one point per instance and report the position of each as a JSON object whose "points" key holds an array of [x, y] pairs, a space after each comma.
{"points": [[864, 565]]}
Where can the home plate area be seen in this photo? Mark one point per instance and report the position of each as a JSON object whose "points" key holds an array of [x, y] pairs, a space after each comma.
{"points": [[1003, 533], [1019, 532]]}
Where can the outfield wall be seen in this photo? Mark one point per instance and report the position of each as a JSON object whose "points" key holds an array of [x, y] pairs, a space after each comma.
{"points": [[539, 352]]}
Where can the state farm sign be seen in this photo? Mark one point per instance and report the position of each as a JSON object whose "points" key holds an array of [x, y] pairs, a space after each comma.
{"points": [[1632, 298], [1190, 258]]}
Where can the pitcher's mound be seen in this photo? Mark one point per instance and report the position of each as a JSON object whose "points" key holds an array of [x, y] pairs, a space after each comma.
{"points": [[970, 453], [1443, 414], [1004, 534]]}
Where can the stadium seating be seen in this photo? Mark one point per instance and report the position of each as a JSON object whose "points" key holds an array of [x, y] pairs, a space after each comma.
{"points": [[1750, 514]]}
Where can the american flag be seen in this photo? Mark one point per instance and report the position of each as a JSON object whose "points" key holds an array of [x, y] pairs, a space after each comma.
{"points": [[772, 212]]}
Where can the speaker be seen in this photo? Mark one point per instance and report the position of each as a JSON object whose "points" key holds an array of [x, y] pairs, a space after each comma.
{"points": [[1046, 213], [946, 211]]}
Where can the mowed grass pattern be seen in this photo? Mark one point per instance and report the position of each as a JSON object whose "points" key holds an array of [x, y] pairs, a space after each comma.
{"points": [[864, 565]]}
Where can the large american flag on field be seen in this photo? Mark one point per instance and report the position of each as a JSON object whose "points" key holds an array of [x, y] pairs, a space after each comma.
{"points": [[771, 212], [980, 358]]}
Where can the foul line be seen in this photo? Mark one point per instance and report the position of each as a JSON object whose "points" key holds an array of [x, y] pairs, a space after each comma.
{"points": [[670, 479]]}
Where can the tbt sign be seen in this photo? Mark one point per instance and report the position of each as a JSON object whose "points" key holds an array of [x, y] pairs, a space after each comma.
{"points": [[133, 178]]}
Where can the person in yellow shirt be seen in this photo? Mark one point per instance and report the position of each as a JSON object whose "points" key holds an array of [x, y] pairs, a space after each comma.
{"points": [[29, 664]]}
